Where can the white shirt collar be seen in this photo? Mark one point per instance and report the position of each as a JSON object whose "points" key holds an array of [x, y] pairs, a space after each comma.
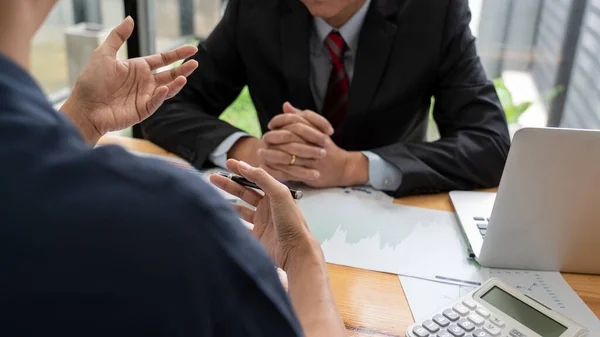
{"points": [[350, 31]]}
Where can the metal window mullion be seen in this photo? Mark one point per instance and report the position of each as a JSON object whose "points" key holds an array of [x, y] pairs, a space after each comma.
{"points": [[143, 40]]}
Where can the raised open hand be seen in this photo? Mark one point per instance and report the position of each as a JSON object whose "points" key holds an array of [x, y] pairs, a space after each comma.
{"points": [[112, 95]]}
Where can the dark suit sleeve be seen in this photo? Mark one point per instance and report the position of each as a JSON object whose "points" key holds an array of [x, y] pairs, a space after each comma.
{"points": [[188, 124], [474, 140]]}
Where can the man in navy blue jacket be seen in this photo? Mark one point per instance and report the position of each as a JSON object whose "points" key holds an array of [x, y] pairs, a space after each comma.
{"points": [[96, 242]]}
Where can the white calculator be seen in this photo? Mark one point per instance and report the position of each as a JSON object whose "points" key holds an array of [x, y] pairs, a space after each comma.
{"points": [[496, 310]]}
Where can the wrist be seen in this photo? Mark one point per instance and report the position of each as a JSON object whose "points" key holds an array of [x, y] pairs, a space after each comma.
{"points": [[356, 170], [75, 111], [306, 256], [245, 150]]}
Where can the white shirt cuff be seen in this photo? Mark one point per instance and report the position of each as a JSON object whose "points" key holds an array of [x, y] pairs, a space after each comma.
{"points": [[219, 154], [382, 175]]}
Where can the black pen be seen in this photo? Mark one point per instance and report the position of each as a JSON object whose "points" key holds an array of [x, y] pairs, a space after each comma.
{"points": [[297, 195]]}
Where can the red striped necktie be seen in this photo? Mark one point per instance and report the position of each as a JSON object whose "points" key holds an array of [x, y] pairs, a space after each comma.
{"points": [[336, 101]]}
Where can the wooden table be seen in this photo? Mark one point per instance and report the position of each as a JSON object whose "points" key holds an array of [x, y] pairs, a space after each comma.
{"points": [[373, 303]]}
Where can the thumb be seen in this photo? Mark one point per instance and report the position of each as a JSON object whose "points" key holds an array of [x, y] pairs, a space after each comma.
{"points": [[288, 108], [117, 37]]}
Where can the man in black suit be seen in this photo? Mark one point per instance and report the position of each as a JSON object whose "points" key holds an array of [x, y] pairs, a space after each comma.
{"points": [[359, 76]]}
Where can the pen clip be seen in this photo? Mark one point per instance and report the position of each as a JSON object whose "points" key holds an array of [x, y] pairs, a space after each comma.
{"points": [[226, 175]]}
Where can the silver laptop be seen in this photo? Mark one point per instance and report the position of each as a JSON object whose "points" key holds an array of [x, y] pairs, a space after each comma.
{"points": [[546, 214]]}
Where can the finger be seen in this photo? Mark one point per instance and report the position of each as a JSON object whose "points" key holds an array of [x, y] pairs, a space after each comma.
{"points": [[248, 195], [164, 59], [159, 97], [232, 165], [176, 86], [282, 120], [302, 150], [272, 156], [117, 37], [245, 213], [185, 70], [298, 172], [308, 134], [283, 278], [318, 121], [288, 108], [281, 137], [273, 188], [279, 175], [311, 117]]}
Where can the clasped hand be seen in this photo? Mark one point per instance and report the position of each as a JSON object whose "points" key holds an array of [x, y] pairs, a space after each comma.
{"points": [[299, 148]]}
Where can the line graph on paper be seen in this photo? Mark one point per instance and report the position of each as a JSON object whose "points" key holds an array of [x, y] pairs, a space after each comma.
{"points": [[531, 283]]}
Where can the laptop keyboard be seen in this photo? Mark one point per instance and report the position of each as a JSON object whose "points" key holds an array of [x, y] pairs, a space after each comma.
{"points": [[482, 224]]}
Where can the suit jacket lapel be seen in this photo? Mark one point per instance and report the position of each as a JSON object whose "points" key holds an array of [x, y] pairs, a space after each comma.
{"points": [[295, 29], [374, 46]]}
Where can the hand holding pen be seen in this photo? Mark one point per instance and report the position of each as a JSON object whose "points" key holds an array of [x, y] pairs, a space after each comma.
{"points": [[278, 221], [297, 195]]}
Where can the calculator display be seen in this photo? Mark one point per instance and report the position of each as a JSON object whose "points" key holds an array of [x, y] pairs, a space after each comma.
{"points": [[523, 313]]}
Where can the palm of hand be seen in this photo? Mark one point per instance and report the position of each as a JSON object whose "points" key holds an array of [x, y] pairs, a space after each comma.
{"points": [[265, 232], [111, 87]]}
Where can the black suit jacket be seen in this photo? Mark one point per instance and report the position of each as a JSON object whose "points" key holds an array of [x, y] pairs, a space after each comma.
{"points": [[409, 51]]}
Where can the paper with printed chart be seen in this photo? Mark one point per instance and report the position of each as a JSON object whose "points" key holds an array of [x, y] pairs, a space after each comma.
{"points": [[426, 297], [363, 228]]}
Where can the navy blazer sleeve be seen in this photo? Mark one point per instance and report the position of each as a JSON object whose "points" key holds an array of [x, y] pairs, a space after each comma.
{"points": [[474, 140]]}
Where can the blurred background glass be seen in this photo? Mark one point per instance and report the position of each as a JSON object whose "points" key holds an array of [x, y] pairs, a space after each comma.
{"points": [[50, 56], [185, 21], [541, 54], [544, 57]]}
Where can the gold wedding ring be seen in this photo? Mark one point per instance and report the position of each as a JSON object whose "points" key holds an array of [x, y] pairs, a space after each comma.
{"points": [[293, 159]]}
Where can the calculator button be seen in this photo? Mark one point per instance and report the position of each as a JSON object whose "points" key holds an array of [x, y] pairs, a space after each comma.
{"points": [[419, 331], [461, 309], [483, 313], [466, 325], [456, 331], [451, 315], [444, 334], [441, 320], [491, 329], [476, 319], [470, 304], [480, 333], [517, 333], [497, 321], [430, 326]]}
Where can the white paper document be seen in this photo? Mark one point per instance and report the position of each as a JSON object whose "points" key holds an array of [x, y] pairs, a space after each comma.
{"points": [[363, 228], [426, 297]]}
